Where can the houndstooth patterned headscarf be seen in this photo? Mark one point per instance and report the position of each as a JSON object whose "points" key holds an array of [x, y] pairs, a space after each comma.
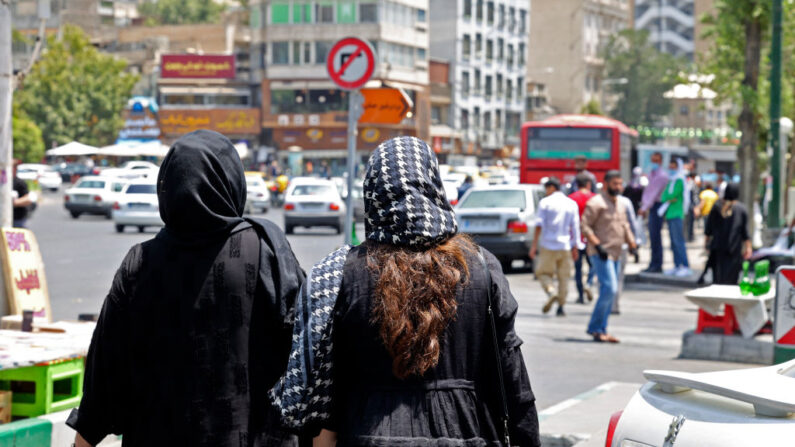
{"points": [[404, 199]]}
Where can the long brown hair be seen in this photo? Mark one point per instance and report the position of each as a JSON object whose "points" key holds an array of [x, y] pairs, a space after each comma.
{"points": [[415, 299]]}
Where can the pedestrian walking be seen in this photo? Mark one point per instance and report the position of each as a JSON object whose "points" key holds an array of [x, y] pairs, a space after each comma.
{"points": [[581, 197], [22, 200], [468, 183], [606, 228], [650, 206], [555, 243], [414, 355], [625, 252], [676, 199], [192, 334], [692, 200], [581, 167], [706, 199], [728, 240], [634, 192]]}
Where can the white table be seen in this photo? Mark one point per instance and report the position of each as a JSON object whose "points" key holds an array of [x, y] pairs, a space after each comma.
{"points": [[750, 311]]}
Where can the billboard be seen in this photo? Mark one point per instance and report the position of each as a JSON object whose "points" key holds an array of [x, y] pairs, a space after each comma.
{"points": [[216, 66], [225, 121]]}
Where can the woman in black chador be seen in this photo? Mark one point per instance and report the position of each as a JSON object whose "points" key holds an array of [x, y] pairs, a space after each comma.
{"points": [[727, 237], [192, 333]]}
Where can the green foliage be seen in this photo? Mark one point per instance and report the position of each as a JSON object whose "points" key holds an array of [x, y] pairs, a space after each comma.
{"points": [[649, 73], [180, 12], [74, 92], [28, 144], [591, 108]]}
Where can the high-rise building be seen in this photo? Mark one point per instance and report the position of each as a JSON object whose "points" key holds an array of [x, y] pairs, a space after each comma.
{"points": [[566, 41], [485, 42], [303, 111], [671, 25]]}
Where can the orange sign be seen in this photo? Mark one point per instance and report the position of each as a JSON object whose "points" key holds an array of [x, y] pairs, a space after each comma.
{"points": [[226, 121], [384, 105]]}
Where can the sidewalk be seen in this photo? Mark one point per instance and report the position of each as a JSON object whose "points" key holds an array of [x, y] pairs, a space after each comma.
{"points": [[696, 257]]}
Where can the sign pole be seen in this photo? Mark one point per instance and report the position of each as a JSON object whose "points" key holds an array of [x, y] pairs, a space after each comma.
{"points": [[6, 92], [354, 112]]}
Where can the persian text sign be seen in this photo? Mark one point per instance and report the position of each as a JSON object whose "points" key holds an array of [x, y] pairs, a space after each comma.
{"points": [[23, 273], [225, 121], [216, 66]]}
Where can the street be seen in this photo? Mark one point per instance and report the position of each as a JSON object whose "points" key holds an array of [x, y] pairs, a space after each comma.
{"points": [[82, 255]]}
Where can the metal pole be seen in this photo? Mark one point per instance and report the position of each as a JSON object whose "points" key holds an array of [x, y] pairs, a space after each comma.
{"points": [[354, 113], [774, 210], [6, 92]]}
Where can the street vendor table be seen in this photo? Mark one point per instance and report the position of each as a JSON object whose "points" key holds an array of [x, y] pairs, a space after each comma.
{"points": [[748, 313]]}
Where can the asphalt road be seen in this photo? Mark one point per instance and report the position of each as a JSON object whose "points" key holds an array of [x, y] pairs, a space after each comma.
{"points": [[81, 257]]}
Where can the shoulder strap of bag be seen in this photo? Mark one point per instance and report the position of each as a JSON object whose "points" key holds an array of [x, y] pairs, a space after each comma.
{"points": [[504, 399]]}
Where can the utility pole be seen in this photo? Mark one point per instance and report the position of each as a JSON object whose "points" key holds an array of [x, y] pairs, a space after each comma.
{"points": [[6, 92], [774, 209]]}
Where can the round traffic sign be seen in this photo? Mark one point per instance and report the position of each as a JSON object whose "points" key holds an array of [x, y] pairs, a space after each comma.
{"points": [[351, 63]]}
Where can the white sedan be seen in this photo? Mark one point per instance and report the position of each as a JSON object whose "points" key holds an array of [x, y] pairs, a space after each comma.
{"points": [[133, 169], [258, 197], [47, 177], [742, 408], [93, 195], [137, 206], [313, 202]]}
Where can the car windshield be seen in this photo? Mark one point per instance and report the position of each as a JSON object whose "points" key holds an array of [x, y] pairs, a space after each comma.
{"points": [[495, 198], [90, 184], [142, 189], [312, 190]]}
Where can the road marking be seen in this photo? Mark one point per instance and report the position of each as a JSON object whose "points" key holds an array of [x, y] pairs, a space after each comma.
{"points": [[568, 403]]}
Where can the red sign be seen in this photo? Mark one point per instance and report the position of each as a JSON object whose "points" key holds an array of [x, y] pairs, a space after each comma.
{"points": [[350, 63], [217, 66]]}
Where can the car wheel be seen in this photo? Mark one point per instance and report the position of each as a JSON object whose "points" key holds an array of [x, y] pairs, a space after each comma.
{"points": [[288, 229], [74, 214], [120, 228], [141, 229]]}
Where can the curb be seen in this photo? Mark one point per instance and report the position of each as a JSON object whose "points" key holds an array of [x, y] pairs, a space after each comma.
{"points": [[727, 348], [662, 280]]}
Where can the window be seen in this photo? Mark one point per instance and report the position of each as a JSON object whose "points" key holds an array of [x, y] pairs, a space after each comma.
{"points": [[489, 50], [280, 12], [464, 119], [498, 119], [280, 53], [308, 101], [509, 90], [116, 187], [477, 82], [511, 18], [436, 115], [549, 143], [478, 46], [321, 51], [422, 55], [490, 198], [476, 118], [501, 17], [684, 110], [479, 11], [466, 47], [307, 52], [465, 84], [324, 13], [500, 50], [141, 189], [487, 121], [421, 15], [499, 86], [490, 13], [368, 12], [522, 21], [467, 9], [510, 56], [587, 83], [521, 55], [302, 13], [346, 12], [488, 87], [519, 88]]}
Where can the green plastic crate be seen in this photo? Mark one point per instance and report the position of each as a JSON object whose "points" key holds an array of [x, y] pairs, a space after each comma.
{"points": [[44, 389]]}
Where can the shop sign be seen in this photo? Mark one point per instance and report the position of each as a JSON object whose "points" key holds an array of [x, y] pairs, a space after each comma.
{"points": [[216, 66], [23, 273], [226, 121]]}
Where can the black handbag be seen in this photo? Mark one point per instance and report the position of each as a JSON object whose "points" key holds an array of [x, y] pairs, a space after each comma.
{"points": [[506, 436]]}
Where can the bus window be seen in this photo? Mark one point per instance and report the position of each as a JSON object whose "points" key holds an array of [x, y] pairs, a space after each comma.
{"points": [[569, 142]]}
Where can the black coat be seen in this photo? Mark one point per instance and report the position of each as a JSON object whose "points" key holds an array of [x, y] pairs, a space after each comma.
{"points": [[455, 403]]}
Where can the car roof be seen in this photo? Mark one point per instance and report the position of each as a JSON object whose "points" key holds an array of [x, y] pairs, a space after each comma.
{"points": [[520, 187], [311, 181], [101, 178]]}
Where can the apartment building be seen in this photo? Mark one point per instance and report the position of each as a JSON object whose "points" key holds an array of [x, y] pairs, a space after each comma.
{"points": [[485, 42], [303, 111], [567, 38]]}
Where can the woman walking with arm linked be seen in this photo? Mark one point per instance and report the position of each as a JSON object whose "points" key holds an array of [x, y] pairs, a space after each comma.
{"points": [[414, 362]]}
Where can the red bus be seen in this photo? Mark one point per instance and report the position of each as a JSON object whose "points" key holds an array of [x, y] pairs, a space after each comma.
{"points": [[549, 147]]}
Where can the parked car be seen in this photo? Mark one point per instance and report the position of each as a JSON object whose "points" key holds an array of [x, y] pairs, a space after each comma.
{"points": [[500, 218], [137, 206], [93, 195], [313, 202], [132, 170], [71, 172], [358, 201], [740, 408], [47, 177], [258, 197]]}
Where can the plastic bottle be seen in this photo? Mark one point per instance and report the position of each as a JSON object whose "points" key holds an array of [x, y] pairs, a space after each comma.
{"points": [[761, 283], [745, 282]]}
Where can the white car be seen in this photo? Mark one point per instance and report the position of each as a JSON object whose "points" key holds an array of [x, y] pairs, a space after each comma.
{"points": [[137, 206], [313, 202], [258, 197], [93, 195], [132, 169], [47, 177], [741, 408]]}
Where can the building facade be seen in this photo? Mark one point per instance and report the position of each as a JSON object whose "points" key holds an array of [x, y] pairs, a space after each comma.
{"points": [[304, 114], [670, 23], [567, 38], [485, 42]]}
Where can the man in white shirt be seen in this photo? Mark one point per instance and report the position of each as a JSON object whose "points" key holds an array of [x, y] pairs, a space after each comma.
{"points": [[556, 243]]}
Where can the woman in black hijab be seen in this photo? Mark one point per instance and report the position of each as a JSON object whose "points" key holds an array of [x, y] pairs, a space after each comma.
{"points": [[192, 333], [727, 237]]}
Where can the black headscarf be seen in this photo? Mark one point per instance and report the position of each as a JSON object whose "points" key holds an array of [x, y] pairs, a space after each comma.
{"points": [[404, 199], [732, 192], [201, 186]]}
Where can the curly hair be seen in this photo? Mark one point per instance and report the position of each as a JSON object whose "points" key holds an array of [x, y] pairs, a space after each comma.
{"points": [[415, 299]]}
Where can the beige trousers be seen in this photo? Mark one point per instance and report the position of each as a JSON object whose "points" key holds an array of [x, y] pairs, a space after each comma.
{"points": [[550, 264]]}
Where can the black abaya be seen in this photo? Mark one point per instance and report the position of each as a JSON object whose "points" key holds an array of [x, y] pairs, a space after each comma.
{"points": [[728, 236]]}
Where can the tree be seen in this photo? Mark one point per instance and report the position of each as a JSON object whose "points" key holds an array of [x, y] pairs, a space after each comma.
{"points": [[180, 12], [28, 144], [74, 92], [592, 107], [738, 31], [649, 74]]}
